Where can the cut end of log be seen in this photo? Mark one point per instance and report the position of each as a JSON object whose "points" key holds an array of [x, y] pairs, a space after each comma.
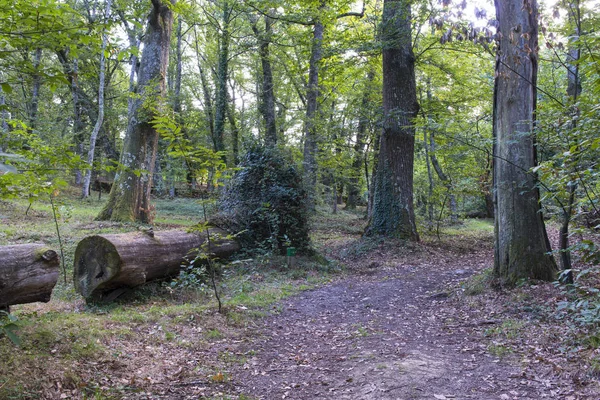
{"points": [[96, 261]]}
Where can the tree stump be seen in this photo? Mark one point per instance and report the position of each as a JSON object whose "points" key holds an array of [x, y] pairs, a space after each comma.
{"points": [[28, 273], [107, 262]]}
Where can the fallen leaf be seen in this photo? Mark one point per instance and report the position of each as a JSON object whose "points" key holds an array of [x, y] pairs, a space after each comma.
{"points": [[218, 377]]}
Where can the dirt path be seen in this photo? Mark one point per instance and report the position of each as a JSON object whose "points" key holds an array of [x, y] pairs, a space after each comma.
{"points": [[389, 331]]}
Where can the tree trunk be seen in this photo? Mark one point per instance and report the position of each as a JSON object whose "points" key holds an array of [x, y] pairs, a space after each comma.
{"points": [[393, 213], [573, 90], [222, 76], [312, 106], [129, 198], [35, 91], [267, 93], [438, 168], [208, 106], [487, 186], [429, 202], [85, 192], [3, 122], [78, 125], [28, 273], [359, 147], [235, 133], [376, 143], [107, 262], [522, 246], [71, 71]]}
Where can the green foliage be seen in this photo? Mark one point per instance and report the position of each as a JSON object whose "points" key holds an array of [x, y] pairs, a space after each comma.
{"points": [[478, 284], [582, 303], [205, 163], [265, 203], [9, 326], [35, 169], [193, 275]]}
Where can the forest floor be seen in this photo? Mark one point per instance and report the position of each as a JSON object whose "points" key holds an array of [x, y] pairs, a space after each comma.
{"points": [[383, 320]]}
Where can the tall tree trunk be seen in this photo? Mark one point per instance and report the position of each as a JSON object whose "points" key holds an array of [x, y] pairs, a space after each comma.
{"points": [[222, 76], [132, 72], [208, 106], [393, 212], [71, 70], [178, 69], [133, 35], [522, 246], [429, 202], [573, 90], [310, 124], [376, 144], [267, 93], [35, 91], [3, 121], [487, 185], [129, 198], [90, 158], [235, 133], [359, 147], [78, 125], [438, 168]]}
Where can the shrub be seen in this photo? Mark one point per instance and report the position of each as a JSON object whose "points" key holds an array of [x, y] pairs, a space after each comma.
{"points": [[265, 203]]}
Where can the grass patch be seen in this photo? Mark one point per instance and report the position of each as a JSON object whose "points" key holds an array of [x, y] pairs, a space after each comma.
{"points": [[509, 329], [478, 284], [499, 350]]}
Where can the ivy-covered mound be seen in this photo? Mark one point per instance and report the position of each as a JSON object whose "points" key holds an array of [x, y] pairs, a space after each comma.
{"points": [[266, 202]]}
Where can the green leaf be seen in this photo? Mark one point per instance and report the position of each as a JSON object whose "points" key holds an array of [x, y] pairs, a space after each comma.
{"points": [[9, 331], [6, 88]]}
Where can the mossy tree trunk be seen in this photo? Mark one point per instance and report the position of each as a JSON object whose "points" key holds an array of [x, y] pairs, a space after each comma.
{"points": [[522, 244], [129, 198], [222, 78], [393, 212], [309, 163]]}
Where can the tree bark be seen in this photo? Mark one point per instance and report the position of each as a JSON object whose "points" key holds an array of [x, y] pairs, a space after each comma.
{"points": [[222, 77], [106, 262], [429, 202], [71, 70], [312, 107], [573, 91], [3, 122], [129, 199], [28, 273], [85, 191], [376, 142], [522, 246], [393, 212], [267, 93], [35, 91], [208, 106], [359, 147], [235, 133]]}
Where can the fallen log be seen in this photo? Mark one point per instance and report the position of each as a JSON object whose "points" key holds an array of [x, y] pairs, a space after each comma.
{"points": [[28, 273], [104, 263]]}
